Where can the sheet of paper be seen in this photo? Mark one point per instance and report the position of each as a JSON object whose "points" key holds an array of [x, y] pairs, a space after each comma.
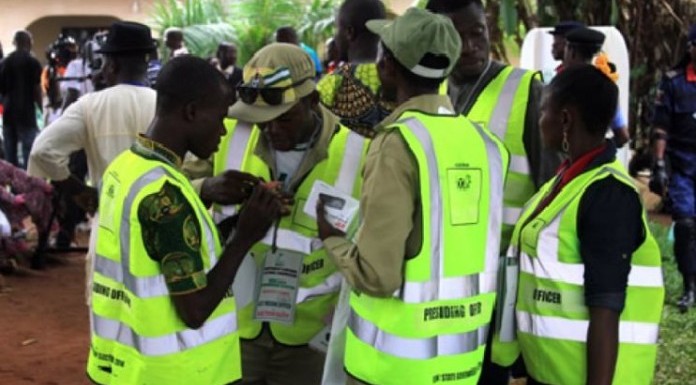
{"points": [[341, 208]]}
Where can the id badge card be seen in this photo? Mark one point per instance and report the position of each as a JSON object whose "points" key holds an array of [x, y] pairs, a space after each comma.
{"points": [[277, 288]]}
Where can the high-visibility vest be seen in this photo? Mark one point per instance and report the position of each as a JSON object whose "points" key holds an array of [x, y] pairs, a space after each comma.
{"points": [[137, 334], [319, 282], [434, 328], [552, 319], [502, 108]]}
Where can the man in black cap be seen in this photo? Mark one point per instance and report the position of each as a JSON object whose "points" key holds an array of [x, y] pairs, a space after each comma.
{"points": [[103, 123], [582, 45], [559, 33]]}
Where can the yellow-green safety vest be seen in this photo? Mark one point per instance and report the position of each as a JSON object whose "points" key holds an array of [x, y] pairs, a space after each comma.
{"points": [[553, 334], [502, 108], [319, 282], [433, 330], [138, 337]]}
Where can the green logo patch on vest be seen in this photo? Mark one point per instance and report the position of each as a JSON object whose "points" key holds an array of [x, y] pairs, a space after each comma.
{"points": [[464, 187]]}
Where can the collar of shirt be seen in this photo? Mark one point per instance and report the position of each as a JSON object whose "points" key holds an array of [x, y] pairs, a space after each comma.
{"points": [[568, 171], [150, 149], [430, 104], [690, 73], [315, 153]]}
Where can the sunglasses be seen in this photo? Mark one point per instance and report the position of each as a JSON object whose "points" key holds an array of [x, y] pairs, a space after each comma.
{"points": [[272, 96]]}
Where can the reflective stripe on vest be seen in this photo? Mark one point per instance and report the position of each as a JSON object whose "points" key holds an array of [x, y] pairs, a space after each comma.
{"points": [[553, 269], [166, 344], [435, 327], [416, 349], [235, 155], [576, 330], [439, 286]]}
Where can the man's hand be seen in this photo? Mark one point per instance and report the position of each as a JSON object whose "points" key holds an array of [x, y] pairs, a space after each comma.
{"points": [[229, 188], [258, 214], [325, 228], [659, 178]]}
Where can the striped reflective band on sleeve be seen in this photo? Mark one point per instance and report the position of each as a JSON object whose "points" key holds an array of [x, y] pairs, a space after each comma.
{"points": [[144, 287], [331, 284], [416, 348], [576, 330], [350, 167], [235, 156], [498, 123], [167, 344], [547, 266], [441, 287]]}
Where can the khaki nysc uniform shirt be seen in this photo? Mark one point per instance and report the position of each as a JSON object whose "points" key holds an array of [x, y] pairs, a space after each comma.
{"points": [[390, 230]]}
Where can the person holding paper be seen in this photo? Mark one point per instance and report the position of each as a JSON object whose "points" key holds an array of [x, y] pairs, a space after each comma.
{"points": [[280, 133], [424, 260]]}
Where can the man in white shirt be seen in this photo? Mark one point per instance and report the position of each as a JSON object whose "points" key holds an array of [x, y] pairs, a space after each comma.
{"points": [[103, 123]]}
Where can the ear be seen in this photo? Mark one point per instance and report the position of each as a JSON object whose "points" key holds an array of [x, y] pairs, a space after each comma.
{"points": [[568, 119], [350, 33], [189, 112], [313, 99]]}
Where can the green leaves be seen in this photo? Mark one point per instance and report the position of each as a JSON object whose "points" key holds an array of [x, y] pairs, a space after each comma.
{"points": [[248, 23], [508, 15], [203, 22]]}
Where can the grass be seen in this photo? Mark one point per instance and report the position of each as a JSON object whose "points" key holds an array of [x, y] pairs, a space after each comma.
{"points": [[676, 361]]}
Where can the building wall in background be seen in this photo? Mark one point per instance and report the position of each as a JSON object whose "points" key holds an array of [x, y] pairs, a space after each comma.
{"points": [[45, 18]]}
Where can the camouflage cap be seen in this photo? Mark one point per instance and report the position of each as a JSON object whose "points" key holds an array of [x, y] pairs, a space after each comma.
{"points": [[274, 80]]}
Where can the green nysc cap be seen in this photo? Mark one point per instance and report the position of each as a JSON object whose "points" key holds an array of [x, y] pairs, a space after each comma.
{"points": [[416, 33]]}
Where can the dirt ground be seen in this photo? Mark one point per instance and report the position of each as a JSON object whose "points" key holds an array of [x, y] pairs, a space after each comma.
{"points": [[44, 326]]}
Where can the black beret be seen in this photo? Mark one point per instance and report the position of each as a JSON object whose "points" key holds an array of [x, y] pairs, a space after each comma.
{"points": [[585, 36], [564, 27]]}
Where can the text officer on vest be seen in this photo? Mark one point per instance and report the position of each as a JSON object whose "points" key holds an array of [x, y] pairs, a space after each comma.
{"points": [[423, 263], [162, 308], [281, 133]]}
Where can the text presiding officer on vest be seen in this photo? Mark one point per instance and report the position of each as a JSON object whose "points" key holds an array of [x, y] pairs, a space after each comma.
{"points": [[423, 263], [589, 296], [162, 308]]}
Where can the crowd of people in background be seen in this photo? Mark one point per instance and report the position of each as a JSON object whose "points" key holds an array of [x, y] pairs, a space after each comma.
{"points": [[466, 266]]}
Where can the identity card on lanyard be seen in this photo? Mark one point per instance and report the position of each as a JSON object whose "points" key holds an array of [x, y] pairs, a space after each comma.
{"points": [[277, 290]]}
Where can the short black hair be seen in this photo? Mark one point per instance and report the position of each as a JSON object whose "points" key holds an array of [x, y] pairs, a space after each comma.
{"points": [[355, 13], [187, 79], [450, 6], [590, 91], [430, 61], [287, 34]]}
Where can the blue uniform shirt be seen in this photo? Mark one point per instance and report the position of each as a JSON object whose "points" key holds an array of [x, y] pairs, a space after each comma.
{"points": [[675, 109]]}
